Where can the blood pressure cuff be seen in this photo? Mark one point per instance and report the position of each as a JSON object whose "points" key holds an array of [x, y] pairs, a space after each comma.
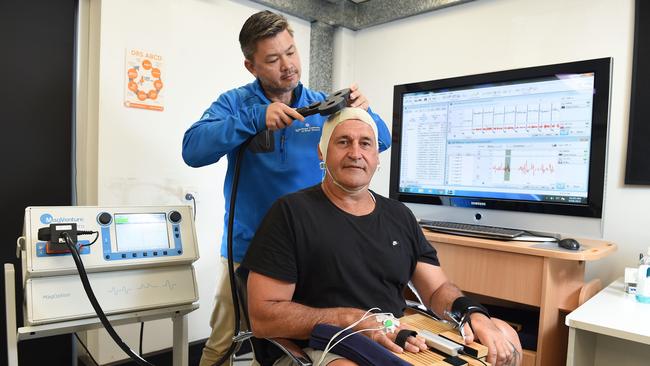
{"points": [[357, 348]]}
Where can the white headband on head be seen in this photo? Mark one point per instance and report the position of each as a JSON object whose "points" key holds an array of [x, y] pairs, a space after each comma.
{"points": [[340, 117]]}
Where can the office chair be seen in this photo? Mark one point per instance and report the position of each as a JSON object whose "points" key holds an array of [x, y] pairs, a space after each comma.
{"points": [[267, 350]]}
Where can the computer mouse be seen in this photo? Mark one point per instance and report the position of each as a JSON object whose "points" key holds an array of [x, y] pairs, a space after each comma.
{"points": [[569, 243]]}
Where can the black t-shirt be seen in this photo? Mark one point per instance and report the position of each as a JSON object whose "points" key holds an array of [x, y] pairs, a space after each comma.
{"points": [[338, 259]]}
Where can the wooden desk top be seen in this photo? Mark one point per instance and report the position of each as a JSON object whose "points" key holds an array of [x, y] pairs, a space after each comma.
{"points": [[590, 249]]}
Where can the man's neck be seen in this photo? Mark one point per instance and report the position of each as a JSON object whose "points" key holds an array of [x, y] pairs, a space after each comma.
{"points": [[282, 97], [357, 203]]}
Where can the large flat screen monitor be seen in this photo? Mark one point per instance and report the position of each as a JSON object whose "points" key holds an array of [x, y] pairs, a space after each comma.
{"points": [[514, 148]]}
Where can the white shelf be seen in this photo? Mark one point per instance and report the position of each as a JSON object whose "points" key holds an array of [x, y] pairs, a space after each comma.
{"points": [[614, 313]]}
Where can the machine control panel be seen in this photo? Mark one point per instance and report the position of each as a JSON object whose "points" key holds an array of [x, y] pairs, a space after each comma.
{"points": [[126, 237]]}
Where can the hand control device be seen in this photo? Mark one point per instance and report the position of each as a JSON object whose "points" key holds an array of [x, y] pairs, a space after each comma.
{"points": [[439, 343]]}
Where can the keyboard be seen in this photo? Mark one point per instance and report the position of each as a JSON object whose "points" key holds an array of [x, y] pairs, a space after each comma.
{"points": [[492, 232]]}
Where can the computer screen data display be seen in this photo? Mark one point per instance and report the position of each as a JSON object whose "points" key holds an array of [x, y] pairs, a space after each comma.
{"points": [[521, 140], [529, 140]]}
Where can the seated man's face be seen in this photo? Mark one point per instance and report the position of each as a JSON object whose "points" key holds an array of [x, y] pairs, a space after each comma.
{"points": [[352, 154]]}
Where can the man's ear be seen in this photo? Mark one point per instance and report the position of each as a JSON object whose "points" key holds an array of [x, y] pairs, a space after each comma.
{"points": [[320, 154], [250, 66]]}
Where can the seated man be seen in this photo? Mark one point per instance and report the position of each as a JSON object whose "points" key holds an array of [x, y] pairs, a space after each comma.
{"points": [[328, 253]]}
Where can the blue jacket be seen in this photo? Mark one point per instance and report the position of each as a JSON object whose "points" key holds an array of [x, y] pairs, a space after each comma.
{"points": [[264, 176]]}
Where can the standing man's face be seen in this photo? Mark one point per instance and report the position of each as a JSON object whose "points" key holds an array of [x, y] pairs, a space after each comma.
{"points": [[276, 63]]}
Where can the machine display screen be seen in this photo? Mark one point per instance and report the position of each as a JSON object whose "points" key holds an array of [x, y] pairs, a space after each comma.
{"points": [[141, 232]]}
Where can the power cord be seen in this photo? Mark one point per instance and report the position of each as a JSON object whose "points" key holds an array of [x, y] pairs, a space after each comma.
{"points": [[190, 197], [460, 351], [86, 348], [93, 301], [89, 232]]}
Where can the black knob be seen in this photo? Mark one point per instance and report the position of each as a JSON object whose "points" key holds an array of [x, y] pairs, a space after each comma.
{"points": [[175, 217], [104, 218]]}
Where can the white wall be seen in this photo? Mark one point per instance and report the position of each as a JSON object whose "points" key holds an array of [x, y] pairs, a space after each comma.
{"points": [[139, 151], [491, 35]]}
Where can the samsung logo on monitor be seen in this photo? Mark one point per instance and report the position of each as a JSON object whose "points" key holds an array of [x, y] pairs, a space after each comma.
{"points": [[475, 203]]}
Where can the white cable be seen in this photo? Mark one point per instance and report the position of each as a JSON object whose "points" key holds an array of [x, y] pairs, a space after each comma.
{"points": [[326, 351], [365, 316]]}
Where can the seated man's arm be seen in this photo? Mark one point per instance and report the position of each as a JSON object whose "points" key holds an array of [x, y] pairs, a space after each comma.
{"points": [[274, 315], [439, 293]]}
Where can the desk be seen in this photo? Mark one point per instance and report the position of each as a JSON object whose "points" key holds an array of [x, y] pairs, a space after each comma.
{"points": [[612, 328], [548, 277]]}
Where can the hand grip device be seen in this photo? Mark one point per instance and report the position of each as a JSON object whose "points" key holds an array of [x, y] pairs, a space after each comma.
{"points": [[439, 343]]}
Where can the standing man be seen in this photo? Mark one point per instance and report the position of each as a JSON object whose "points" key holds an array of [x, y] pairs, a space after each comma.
{"points": [[282, 156]]}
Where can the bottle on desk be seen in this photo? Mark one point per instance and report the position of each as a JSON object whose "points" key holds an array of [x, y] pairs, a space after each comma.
{"points": [[643, 279]]}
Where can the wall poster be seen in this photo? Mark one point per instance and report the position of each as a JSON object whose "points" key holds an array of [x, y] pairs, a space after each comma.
{"points": [[143, 80]]}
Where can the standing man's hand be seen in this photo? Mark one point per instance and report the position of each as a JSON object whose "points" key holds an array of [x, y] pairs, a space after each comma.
{"points": [[501, 352], [357, 99], [280, 115]]}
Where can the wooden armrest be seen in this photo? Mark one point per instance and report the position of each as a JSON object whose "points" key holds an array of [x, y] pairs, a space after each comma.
{"points": [[588, 290]]}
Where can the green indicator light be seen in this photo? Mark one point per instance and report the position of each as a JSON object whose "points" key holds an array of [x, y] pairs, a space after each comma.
{"points": [[121, 220], [388, 323]]}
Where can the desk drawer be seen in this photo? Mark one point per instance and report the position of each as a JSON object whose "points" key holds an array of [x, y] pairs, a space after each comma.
{"points": [[509, 276]]}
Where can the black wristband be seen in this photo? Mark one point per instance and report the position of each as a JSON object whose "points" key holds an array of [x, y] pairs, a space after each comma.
{"points": [[403, 335], [463, 306]]}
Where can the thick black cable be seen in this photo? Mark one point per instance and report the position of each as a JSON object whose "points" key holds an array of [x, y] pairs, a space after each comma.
{"points": [[141, 336], [98, 309], [86, 348], [231, 264]]}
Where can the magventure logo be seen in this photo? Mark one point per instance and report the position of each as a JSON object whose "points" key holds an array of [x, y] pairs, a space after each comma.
{"points": [[474, 203], [47, 219]]}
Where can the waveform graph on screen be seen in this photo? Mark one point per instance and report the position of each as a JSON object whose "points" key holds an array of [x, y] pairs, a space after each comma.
{"points": [[538, 117], [520, 166], [534, 168]]}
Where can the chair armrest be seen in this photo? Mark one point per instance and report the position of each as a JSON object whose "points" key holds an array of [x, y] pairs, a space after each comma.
{"points": [[292, 350]]}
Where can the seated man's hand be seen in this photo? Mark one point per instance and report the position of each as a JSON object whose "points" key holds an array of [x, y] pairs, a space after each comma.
{"points": [[499, 337], [413, 344]]}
